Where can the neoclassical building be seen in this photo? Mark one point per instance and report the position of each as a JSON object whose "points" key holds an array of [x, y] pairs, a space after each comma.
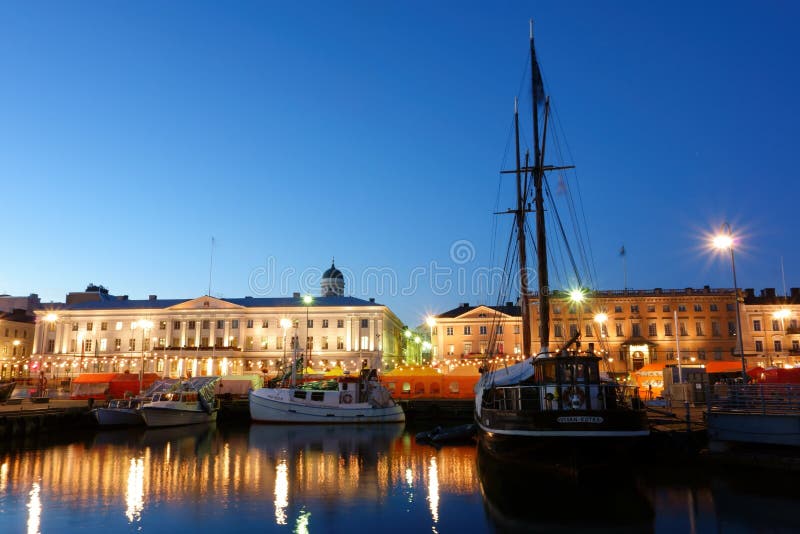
{"points": [[210, 336]]}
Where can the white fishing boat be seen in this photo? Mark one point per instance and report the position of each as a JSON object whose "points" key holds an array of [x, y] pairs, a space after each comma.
{"points": [[348, 399], [191, 403], [127, 412]]}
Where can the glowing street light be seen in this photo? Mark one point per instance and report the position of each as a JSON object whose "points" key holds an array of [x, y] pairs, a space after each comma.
{"points": [[577, 295], [724, 241]]}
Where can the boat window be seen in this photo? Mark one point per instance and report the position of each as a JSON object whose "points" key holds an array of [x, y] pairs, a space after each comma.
{"points": [[419, 387], [454, 387], [344, 386], [406, 387], [318, 396], [548, 372], [299, 394], [391, 386]]}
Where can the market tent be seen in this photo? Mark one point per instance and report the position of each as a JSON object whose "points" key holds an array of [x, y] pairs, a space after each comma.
{"points": [[723, 367], [650, 378]]}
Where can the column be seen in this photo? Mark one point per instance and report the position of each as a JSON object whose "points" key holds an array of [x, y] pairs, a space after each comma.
{"points": [[348, 335]]}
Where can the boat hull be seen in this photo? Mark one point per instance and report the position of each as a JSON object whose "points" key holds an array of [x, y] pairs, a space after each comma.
{"points": [[563, 424], [268, 410], [118, 416], [155, 416], [6, 388]]}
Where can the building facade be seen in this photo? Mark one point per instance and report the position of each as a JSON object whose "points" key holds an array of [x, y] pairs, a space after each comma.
{"points": [[16, 342], [632, 328], [213, 336]]}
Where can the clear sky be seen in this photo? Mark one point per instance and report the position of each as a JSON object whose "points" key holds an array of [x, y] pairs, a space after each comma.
{"points": [[133, 132]]}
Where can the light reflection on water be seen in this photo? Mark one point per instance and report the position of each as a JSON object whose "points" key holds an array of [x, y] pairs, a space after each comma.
{"points": [[327, 479]]}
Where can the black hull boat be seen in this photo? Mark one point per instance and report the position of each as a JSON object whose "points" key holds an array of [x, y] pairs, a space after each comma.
{"points": [[555, 393]]}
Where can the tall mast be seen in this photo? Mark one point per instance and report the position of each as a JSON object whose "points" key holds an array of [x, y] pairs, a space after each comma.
{"points": [[523, 255], [537, 89]]}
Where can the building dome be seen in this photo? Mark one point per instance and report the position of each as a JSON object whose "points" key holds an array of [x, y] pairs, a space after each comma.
{"points": [[332, 283]]}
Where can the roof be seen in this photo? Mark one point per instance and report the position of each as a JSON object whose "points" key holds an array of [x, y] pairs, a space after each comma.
{"points": [[246, 302], [513, 311], [333, 272]]}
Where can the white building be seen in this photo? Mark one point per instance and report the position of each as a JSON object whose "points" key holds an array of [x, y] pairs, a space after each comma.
{"points": [[214, 336]]}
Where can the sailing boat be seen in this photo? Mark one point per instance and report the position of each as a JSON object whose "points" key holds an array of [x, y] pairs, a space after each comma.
{"points": [[559, 392]]}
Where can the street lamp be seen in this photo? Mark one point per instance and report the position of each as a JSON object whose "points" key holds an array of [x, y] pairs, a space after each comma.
{"points": [[431, 322], [145, 325], [308, 300], [722, 241], [285, 324]]}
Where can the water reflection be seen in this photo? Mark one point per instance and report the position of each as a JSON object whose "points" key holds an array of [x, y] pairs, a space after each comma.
{"points": [[281, 492], [34, 510], [134, 496], [556, 492]]}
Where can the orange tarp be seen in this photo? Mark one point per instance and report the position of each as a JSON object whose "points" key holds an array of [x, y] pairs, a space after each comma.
{"points": [[109, 385], [723, 367], [428, 383], [650, 378]]}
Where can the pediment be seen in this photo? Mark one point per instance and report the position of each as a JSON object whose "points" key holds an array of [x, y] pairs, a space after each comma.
{"points": [[205, 303], [482, 311]]}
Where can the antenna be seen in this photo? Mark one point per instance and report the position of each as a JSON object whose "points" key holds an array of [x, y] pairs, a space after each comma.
{"points": [[783, 277], [210, 266]]}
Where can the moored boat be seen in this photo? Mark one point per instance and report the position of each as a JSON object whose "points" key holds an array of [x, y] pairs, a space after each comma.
{"points": [[128, 411], [191, 403], [348, 399], [6, 388]]}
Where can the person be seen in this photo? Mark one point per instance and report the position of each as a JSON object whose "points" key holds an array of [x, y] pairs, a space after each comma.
{"points": [[650, 391]]}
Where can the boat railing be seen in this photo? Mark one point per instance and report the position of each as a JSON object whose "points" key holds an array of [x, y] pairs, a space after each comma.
{"points": [[765, 399], [550, 397]]}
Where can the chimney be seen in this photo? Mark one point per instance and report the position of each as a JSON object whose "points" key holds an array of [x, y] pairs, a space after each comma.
{"points": [[152, 297], [706, 289], [464, 305], [509, 304], [657, 291], [794, 292], [768, 292], [296, 295], [749, 292], [372, 300]]}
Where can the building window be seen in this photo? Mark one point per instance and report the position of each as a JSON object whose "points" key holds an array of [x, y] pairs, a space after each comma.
{"points": [[218, 342], [146, 343], [191, 325], [483, 347], [103, 326], [264, 343], [759, 345], [468, 347], [310, 323], [731, 328], [499, 329], [776, 325], [324, 323], [651, 330], [682, 327], [698, 307], [89, 326], [364, 323], [651, 308], [698, 327], [234, 324], [132, 344], [249, 323], [162, 342], [74, 328], [604, 330], [636, 330], [220, 324], [701, 354], [339, 342], [665, 308], [589, 332], [451, 349], [619, 329], [715, 331], [435, 331], [756, 325], [339, 323], [176, 325], [617, 309], [482, 330], [206, 324], [670, 355], [310, 342], [795, 345], [176, 342], [634, 308], [278, 343], [324, 343], [778, 346], [104, 344], [558, 330], [730, 307], [264, 324], [573, 329], [51, 345], [364, 342], [713, 308], [162, 325], [190, 342], [516, 329], [556, 310], [448, 331], [681, 307], [248, 343], [717, 354], [117, 344], [667, 329], [467, 330]]}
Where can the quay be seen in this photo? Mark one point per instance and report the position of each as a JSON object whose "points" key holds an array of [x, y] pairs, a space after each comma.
{"points": [[25, 416]]}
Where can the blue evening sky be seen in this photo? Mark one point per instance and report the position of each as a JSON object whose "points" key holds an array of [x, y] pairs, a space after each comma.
{"points": [[133, 132]]}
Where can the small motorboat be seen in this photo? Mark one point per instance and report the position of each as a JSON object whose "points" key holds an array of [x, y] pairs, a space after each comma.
{"points": [[191, 403], [453, 434]]}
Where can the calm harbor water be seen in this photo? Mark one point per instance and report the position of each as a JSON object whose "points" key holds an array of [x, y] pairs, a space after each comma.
{"points": [[266, 478]]}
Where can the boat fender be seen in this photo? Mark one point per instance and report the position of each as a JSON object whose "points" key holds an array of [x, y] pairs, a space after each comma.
{"points": [[347, 398]]}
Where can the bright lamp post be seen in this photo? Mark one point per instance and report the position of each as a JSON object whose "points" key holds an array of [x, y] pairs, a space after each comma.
{"points": [[431, 322], [145, 325], [722, 241]]}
